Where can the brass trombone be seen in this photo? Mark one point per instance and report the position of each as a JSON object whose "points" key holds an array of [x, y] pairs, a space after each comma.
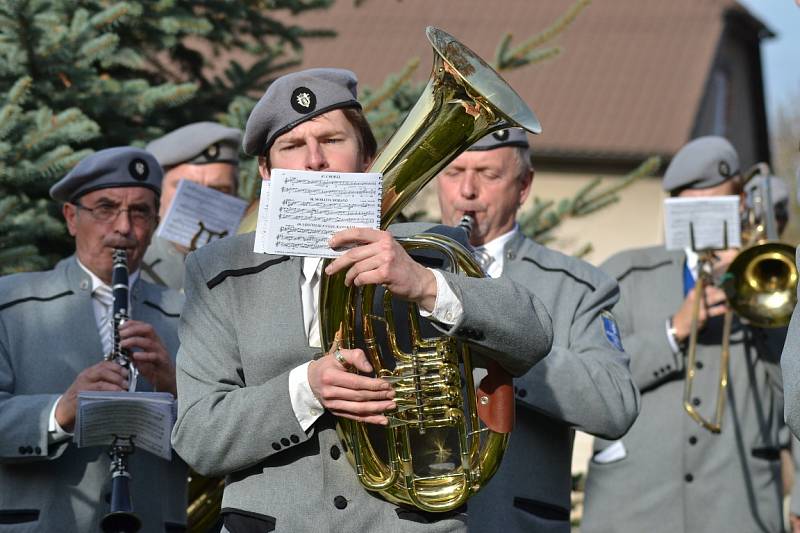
{"points": [[760, 285]]}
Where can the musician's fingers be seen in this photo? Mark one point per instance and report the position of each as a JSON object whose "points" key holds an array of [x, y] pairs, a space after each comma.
{"points": [[355, 358], [357, 236], [365, 265], [378, 420], [360, 408], [717, 310], [351, 257], [110, 387], [333, 393]]}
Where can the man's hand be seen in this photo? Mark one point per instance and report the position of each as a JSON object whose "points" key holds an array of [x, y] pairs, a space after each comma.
{"points": [[105, 376], [794, 523], [152, 360], [714, 304], [349, 395], [378, 258]]}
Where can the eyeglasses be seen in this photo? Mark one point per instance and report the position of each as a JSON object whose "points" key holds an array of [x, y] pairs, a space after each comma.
{"points": [[140, 215]]}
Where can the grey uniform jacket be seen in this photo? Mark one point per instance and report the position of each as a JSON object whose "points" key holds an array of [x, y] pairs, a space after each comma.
{"points": [[676, 476], [790, 362], [584, 383], [163, 264], [48, 335], [242, 333]]}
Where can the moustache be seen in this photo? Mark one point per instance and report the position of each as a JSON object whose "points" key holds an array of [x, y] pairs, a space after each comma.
{"points": [[117, 241]]}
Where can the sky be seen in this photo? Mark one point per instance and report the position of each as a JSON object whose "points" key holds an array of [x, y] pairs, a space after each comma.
{"points": [[781, 54]]}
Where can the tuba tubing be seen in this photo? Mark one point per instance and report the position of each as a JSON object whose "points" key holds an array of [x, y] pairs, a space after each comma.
{"points": [[463, 101]]}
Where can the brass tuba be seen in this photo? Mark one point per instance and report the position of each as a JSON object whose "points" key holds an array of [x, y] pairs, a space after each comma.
{"points": [[760, 285], [444, 440]]}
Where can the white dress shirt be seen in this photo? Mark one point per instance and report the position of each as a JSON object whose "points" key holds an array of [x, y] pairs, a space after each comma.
{"points": [[55, 432], [307, 409], [691, 261], [496, 249]]}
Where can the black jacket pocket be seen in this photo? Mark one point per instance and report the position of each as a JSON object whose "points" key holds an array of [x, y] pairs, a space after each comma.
{"points": [[237, 521], [18, 516]]}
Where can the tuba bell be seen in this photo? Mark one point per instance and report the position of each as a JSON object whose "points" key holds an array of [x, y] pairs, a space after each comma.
{"points": [[445, 439]]}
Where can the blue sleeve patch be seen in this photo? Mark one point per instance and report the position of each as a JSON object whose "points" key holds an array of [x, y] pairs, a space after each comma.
{"points": [[611, 330]]}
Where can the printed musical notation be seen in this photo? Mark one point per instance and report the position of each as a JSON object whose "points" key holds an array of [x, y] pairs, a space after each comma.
{"points": [[199, 215], [705, 217], [300, 210]]}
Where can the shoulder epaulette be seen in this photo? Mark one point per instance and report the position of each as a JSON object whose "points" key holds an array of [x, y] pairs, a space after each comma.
{"points": [[12, 303], [638, 268], [235, 273], [562, 270]]}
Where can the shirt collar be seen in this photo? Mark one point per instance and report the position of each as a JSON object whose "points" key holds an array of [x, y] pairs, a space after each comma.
{"points": [[310, 265], [496, 246], [96, 281]]}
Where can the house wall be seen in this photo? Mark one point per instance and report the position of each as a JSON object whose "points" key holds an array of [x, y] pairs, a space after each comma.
{"points": [[634, 221]]}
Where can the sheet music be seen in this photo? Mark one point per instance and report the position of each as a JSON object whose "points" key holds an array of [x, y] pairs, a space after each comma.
{"points": [[193, 204], [708, 216], [302, 209], [148, 416]]}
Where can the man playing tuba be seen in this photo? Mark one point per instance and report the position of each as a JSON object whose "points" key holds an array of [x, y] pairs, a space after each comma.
{"points": [[255, 404]]}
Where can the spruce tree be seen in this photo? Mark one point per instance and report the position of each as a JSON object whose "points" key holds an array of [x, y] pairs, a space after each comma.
{"points": [[76, 76]]}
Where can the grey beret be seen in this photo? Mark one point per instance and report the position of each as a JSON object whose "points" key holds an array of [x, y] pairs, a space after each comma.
{"points": [[498, 139], [780, 191], [198, 143], [122, 166], [295, 98], [702, 163]]}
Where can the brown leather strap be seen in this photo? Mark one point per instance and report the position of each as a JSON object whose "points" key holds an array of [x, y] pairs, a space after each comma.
{"points": [[496, 399]]}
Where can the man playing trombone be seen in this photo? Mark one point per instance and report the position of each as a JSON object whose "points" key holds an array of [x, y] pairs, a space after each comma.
{"points": [[669, 473]]}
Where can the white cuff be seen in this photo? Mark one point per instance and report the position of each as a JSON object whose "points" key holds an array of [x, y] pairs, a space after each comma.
{"points": [[305, 405], [55, 432], [447, 309], [673, 342]]}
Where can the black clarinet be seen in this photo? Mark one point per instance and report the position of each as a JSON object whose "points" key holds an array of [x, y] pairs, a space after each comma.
{"points": [[119, 288], [121, 518]]}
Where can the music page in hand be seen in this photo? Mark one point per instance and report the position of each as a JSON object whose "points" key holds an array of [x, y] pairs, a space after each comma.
{"points": [[706, 217], [198, 215], [301, 210]]}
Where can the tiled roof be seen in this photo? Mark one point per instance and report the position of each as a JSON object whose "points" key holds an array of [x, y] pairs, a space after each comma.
{"points": [[628, 83]]}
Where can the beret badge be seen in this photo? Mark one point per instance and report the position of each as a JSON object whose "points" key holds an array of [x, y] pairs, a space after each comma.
{"points": [[501, 135], [138, 169], [212, 152], [303, 100], [724, 169]]}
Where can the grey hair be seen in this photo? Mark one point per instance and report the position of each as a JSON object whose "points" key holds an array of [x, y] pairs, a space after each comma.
{"points": [[523, 157]]}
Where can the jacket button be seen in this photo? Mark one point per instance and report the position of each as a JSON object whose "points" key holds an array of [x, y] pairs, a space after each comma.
{"points": [[29, 450], [285, 441], [522, 393], [698, 365], [276, 446], [38, 450], [696, 402], [295, 439], [692, 440], [335, 453], [340, 502], [689, 478], [22, 450]]}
